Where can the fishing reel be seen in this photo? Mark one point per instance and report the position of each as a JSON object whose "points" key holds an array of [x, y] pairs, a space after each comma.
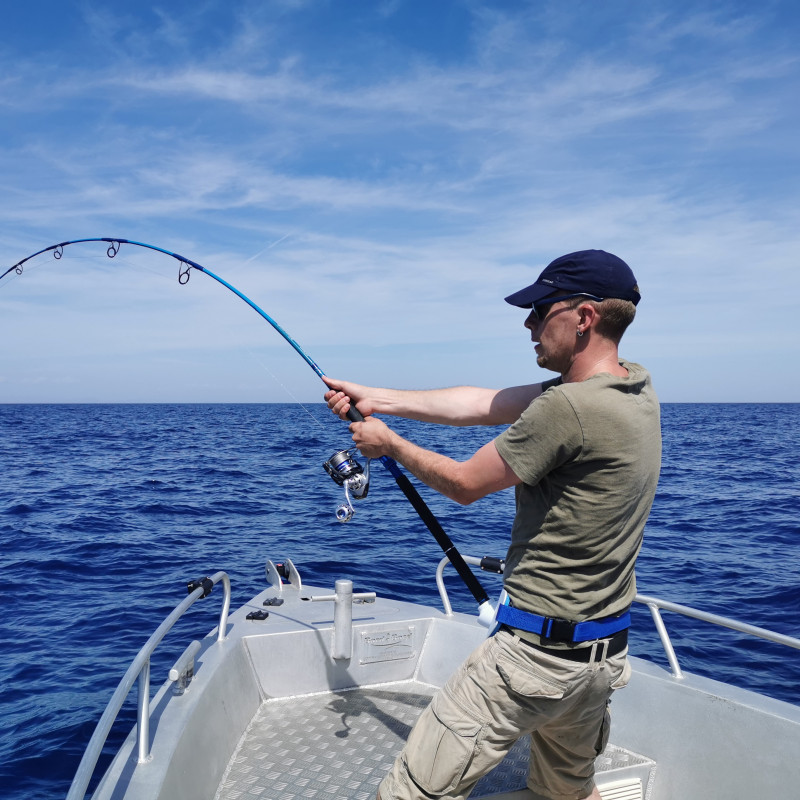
{"points": [[347, 472]]}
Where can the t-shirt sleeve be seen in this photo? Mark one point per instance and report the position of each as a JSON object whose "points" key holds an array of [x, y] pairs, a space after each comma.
{"points": [[546, 435]]}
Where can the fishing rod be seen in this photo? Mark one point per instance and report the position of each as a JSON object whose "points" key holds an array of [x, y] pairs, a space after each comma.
{"points": [[341, 466]]}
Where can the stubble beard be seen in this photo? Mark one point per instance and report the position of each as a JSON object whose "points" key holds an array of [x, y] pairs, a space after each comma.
{"points": [[548, 361], [542, 357]]}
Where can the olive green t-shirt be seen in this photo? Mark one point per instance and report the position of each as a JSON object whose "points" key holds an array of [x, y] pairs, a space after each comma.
{"points": [[588, 455]]}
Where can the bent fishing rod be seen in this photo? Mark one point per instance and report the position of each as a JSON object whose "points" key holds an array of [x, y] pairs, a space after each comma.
{"points": [[342, 467]]}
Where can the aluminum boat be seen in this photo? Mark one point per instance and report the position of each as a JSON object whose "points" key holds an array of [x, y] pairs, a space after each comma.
{"points": [[310, 692]]}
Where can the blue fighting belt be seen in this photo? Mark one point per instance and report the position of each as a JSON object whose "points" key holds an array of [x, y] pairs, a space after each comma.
{"points": [[561, 630]]}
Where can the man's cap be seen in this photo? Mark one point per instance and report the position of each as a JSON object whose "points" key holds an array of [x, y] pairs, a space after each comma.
{"points": [[592, 271]]}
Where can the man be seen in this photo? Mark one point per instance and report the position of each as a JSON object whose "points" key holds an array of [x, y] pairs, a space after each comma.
{"points": [[583, 451]]}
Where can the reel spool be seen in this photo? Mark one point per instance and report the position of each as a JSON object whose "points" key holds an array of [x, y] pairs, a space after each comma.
{"points": [[346, 471]]}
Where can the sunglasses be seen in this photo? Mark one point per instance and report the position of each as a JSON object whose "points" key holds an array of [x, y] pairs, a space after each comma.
{"points": [[541, 308]]}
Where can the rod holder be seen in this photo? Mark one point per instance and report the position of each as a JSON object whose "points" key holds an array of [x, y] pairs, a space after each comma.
{"points": [[182, 672], [343, 599]]}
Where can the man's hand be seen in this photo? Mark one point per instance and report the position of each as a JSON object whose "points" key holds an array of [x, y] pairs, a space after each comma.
{"points": [[372, 437], [343, 394]]}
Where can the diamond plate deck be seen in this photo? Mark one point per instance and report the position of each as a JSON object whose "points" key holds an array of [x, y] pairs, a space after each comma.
{"points": [[339, 745]]}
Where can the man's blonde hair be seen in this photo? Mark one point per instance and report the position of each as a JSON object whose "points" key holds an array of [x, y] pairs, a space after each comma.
{"points": [[615, 315]]}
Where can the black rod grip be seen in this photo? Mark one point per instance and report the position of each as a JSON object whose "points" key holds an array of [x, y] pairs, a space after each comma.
{"points": [[442, 539], [354, 415]]}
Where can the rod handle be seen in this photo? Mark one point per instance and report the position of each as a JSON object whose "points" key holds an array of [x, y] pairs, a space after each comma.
{"points": [[354, 415]]}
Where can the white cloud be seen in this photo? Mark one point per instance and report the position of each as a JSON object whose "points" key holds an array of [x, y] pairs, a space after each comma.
{"points": [[407, 197]]}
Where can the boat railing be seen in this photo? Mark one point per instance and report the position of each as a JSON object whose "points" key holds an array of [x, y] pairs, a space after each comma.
{"points": [[471, 560], [139, 671], [656, 606]]}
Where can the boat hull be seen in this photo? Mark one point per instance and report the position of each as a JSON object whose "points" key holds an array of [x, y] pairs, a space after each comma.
{"points": [[271, 693]]}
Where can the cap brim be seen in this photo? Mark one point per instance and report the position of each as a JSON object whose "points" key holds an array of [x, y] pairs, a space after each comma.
{"points": [[525, 298]]}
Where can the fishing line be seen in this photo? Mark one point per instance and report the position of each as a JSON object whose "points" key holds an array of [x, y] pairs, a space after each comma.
{"points": [[343, 458], [263, 364], [265, 367], [268, 247]]}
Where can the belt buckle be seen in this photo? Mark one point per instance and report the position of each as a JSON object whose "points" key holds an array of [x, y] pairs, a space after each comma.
{"points": [[557, 630], [599, 652]]}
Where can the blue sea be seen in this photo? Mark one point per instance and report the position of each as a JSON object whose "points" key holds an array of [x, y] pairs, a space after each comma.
{"points": [[106, 511]]}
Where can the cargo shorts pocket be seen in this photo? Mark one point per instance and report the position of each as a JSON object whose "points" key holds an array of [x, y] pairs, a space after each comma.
{"points": [[605, 732], [441, 746], [624, 677], [528, 680], [605, 727]]}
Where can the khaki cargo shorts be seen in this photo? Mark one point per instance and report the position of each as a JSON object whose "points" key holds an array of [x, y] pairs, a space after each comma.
{"points": [[504, 690]]}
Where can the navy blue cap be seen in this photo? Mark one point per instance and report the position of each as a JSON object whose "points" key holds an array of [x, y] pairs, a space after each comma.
{"points": [[592, 271]]}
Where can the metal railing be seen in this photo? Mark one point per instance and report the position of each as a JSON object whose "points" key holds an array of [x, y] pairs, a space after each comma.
{"points": [[655, 605], [448, 608], [139, 670]]}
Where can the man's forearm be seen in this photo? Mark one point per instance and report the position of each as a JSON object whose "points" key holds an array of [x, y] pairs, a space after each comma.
{"points": [[463, 481], [457, 405], [433, 469]]}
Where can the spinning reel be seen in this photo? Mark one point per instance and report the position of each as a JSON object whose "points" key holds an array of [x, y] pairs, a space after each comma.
{"points": [[347, 472]]}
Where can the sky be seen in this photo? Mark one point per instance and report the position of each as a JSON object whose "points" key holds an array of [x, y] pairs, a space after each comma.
{"points": [[378, 176]]}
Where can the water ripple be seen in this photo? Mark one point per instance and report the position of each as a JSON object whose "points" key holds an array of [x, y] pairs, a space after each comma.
{"points": [[109, 510]]}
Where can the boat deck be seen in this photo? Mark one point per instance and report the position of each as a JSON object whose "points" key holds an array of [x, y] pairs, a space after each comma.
{"points": [[339, 745]]}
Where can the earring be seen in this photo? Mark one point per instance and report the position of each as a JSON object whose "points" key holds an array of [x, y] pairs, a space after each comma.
{"points": [[580, 332]]}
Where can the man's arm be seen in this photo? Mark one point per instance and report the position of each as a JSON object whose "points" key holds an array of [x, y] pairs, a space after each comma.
{"points": [[458, 405], [463, 481]]}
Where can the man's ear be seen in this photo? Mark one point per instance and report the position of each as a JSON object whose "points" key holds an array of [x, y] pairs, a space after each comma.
{"points": [[587, 314]]}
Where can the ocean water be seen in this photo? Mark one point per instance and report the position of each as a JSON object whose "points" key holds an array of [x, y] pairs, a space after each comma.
{"points": [[107, 511]]}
